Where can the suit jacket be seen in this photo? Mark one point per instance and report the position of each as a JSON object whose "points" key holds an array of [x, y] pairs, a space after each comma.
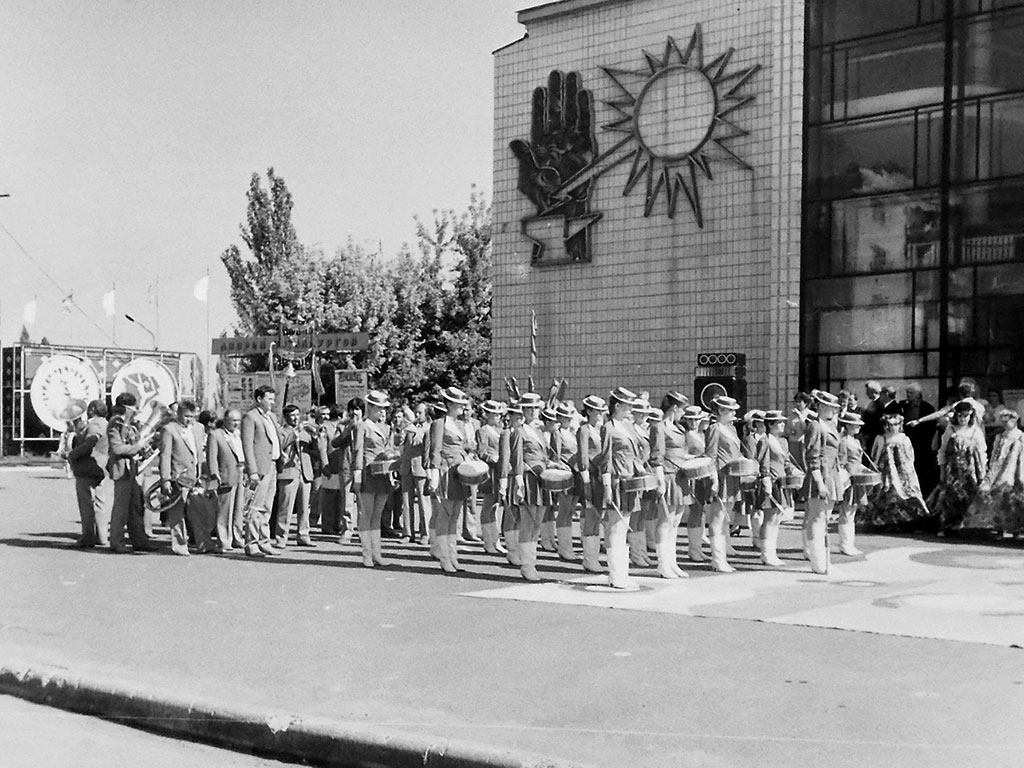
{"points": [[89, 452], [297, 450], [121, 439], [256, 445], [177, 459], [221, 462]]}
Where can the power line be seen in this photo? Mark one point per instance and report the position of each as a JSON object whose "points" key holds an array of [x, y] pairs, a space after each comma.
{"points": [[69, 296]]}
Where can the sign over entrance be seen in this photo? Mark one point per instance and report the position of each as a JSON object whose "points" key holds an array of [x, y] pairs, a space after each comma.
{"points": [[303, 343]]}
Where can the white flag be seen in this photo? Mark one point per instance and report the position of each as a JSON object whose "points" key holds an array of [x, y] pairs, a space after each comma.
{"points": [[201, 288], [109, 306], [67, 302], [29, 315]]}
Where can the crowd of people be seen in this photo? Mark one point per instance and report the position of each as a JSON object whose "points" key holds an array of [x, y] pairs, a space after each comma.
{"points": [[515, 476]]}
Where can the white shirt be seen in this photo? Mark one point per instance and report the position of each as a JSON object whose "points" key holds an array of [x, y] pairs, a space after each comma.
{"points": [[235, 443]]}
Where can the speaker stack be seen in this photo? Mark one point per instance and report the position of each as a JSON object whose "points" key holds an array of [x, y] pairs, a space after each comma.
{"points": [[720, 373]]}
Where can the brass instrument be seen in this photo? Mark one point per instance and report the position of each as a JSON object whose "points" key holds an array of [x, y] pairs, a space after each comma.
{"points": [[149, 432]]}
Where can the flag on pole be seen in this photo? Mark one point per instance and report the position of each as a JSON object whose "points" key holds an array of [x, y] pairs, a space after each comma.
{"points": [[151, 295], [29, 315], [318, 382], [109, 304], [533, 338], [67, 302], [202, 288]]}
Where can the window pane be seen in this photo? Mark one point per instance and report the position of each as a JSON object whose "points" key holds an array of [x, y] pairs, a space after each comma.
{"points": [[886, 366], [987, 136], [833, 20], [990, 52], [991, 219], [865, 313], [879, 234], [894, 73]]}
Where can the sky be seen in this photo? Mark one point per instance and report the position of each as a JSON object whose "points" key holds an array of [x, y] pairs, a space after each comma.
{"points": [[129, 130]]}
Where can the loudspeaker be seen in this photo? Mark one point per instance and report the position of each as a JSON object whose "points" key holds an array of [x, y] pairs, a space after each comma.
{"points": [[707, 388]]}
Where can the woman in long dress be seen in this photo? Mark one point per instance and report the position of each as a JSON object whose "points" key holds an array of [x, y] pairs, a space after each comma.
{"points": [[897, 500], [999, 504], [961, 468], [668, 452]]}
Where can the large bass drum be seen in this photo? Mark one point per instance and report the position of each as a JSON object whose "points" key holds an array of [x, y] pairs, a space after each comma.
{"points": [[62, 388], [153, 386]]}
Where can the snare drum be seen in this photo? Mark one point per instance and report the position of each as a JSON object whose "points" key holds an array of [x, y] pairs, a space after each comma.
{"points": [[792, 481], [866, 478], [695, 469], [640, 483], [384, 467], [472, 472], [556, 479], [743, 468]]}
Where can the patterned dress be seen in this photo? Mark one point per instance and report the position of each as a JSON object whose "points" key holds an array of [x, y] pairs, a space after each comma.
{"points": [[963, 468], [1000, 505], [898, 498]]}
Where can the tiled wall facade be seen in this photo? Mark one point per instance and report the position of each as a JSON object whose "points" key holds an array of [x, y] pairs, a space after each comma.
{"points": [[658, 290]]}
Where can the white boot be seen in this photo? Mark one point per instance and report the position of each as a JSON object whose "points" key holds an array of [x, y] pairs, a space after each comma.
{"points": [[770, 543], [694, 539], [565, 551], [618, 556], [719, 548], [492, 539], [817, 540], [591, 554], [666, 553], [378, 555], [528, 554], [443, 554], [453, 553], [847, 534], [435, 545], [807, 546], [651, 536], [756, 529], [512, 546], [547, 536], [366, 546]]}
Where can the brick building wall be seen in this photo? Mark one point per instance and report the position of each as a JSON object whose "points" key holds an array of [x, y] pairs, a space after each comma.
{"points": [[658, 290]]}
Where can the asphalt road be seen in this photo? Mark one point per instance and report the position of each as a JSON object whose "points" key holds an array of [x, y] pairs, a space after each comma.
{"points": [[34, 736], [314, 633]]}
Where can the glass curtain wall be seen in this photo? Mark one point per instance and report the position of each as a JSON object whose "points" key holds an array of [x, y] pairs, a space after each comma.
{"points": [[913, 241]]}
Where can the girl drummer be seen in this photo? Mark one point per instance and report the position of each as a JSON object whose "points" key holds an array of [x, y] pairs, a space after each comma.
{"points": [[637, 536], [619, 461], [549, 428], [756, 433], [588, 445], [851, 463], [527, 458], [822, 484], [372, 444], [510, 520], [776, 500], [668, 454], [563, 451], [449, 447], [723, 447], [698, 491], [492, 447]]}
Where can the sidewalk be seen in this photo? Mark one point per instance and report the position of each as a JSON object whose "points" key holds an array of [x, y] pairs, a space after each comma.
{"points": [[402, 655]]}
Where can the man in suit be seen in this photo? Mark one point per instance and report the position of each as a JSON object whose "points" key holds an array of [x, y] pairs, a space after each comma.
{"points": [[93, 487], [224, 462], [871, 413], [123, 467], [294, 477], [319, 415], [180, 461], [261, 448]]}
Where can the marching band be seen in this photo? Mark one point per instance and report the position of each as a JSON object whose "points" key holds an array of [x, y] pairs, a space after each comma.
{"points": [[632, 474]]}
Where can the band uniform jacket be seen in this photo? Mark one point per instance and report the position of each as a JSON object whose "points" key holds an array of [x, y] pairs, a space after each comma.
{"points": [[821, 453], [449, 446], [122, 440], [528, 455], [722, 445], [851, 462], [89, 452], [372, 443], [773, 462], [669, 451], [588, 450], [221, 463], [492, 446], [298, 448], [564, 447], [256, 446], [177, 459]]}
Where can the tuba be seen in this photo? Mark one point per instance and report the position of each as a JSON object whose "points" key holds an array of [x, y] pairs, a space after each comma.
{"points": [[148, 431]]}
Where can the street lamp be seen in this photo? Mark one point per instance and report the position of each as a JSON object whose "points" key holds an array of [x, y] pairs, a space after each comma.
{"points": [[131, 319]]}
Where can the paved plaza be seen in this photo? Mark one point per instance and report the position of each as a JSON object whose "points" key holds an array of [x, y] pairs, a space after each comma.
{"points": [[903, 656]]}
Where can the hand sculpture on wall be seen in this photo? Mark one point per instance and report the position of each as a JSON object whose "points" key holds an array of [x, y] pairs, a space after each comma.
{"points": [[561, 145]]}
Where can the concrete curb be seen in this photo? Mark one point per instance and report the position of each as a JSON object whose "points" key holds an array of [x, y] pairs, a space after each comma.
{"points": [[277, 735]]}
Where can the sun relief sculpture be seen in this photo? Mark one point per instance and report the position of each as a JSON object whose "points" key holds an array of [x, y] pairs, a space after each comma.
{"points": [[674, 118]]}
